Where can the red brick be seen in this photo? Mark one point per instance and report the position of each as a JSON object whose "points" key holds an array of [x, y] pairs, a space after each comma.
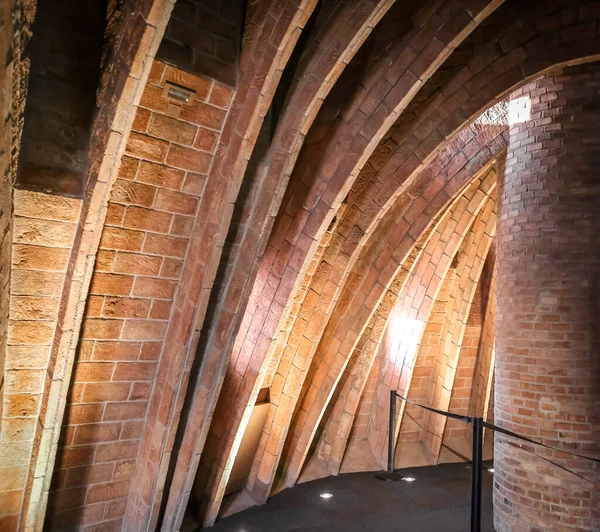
{"points": [[144, 330], [147, 147], [9, 523], [111, 284], [123, 239], [160, 175], [152, 98], [199, 84], [166, 245], [206, 140], [115, 509], [182, 225], [93, 371], [74, 456], [126, 468], [140, 391], [132, 193], [89, 474], [114, 215], [150, 287], [10, 502], [194, 184], [116, 351], [137, 263], [104, 260], [161, 310], [120, 450], [171, 268], [178, 202], [134, 371], [132, 430], [546, 215], [121, 307], [78, 414], [108, 391], [168, 128], [204, 115], [140, 122], [147, 219], [151, 350], [107, 492], [77, 517], [125, 410], [102, 329], [221, 95], [128, 168], [188, 159], [93, 433]]}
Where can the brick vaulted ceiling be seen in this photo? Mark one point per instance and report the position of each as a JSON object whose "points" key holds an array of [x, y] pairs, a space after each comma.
{"points": [[311, 225]]}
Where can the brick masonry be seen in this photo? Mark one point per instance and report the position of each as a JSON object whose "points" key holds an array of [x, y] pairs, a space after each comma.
{"points": [[547, 366], [375, 171], [139, 265], [204, 38]]}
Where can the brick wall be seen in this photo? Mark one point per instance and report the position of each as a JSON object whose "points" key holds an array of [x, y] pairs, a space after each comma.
{"points": [[547, 362], [150, 218], [481, 396], [460, 401], [43, 234], [204, 37], [412, 422]]}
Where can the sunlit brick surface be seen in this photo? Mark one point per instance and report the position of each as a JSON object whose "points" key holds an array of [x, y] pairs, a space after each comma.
{"points": [[547, 319]]}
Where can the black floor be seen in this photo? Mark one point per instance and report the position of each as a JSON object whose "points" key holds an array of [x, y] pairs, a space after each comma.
{"points": [[439, 500]]}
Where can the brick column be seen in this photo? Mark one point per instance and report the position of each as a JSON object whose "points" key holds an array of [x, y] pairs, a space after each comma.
{"points": [[548, 315]]}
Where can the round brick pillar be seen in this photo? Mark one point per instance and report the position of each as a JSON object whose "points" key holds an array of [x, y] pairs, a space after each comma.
{"points": [[548, 308]]}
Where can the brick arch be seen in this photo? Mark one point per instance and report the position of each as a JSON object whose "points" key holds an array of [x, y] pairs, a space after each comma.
{"points": [[430, 193], [334, 438], [482, 381], [543, 60], [472, 391], [397, 373], [339, 31], [343, 407], [270, 36], [428, 44], [469, 266], [335, 354], [498, 57]]}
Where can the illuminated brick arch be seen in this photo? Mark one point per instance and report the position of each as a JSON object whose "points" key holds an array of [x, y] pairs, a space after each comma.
{"points": [[269, 233]]}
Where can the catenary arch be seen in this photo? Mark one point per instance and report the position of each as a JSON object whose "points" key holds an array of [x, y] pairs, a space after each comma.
{"points": [[485, 82]]}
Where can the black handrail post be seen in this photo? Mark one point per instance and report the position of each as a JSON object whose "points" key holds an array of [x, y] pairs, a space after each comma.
{"points": [[390, 474], [392, 434], [476, 474]]}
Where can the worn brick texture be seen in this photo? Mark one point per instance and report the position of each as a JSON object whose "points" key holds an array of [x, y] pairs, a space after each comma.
{"points": [[139, 264], [547, 364], [13, 73], [338, 257], [43, 234], [204, 37]]}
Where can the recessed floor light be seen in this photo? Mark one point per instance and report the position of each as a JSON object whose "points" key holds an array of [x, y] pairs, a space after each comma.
{"points": [[326, 495], [409, 479]]}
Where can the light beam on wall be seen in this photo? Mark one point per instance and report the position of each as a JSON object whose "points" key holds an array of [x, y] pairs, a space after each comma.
{"points": [[506, 113], [519, 110]]}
